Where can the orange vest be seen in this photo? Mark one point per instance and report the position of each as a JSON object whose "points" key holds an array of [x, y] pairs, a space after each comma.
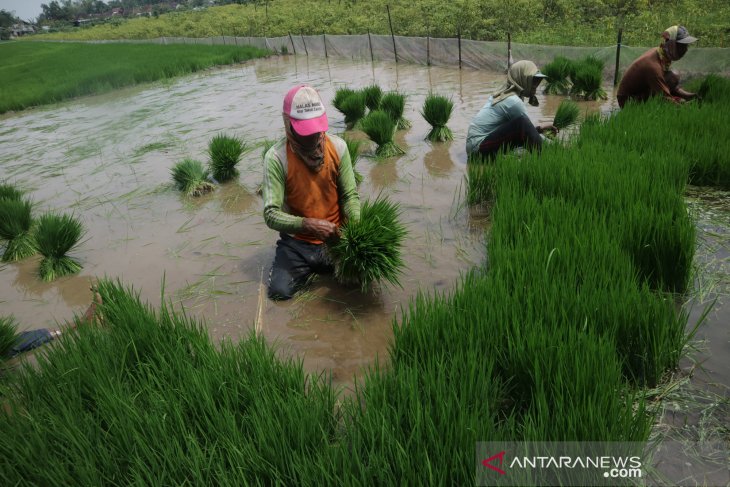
{"points": [[312, 194]]}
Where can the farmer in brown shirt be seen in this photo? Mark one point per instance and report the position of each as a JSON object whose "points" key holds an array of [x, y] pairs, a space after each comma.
{"points": [[650, 75]]}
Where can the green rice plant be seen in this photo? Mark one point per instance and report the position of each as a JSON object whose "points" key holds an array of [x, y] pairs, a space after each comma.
{"points": [[15, 227], [373, 95], [437, 111], [714, 88], [593, 62], [587, 81], [8, 335], [394, 104], [340, 95], [353, 148], [480, 183], [558, 76], [381, 128], [191, 177], [225, 152], [10, 192], [370, 250], [566, 115], [353, 107], [56, 235]]}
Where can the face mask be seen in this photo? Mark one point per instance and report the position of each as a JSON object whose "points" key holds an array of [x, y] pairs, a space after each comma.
{"points": [[533, 101]]}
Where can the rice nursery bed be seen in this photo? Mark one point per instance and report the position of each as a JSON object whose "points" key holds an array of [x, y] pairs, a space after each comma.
{"points": [[587, 249]]}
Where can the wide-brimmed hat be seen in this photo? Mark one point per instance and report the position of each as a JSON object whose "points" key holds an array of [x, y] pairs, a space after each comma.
{"points": [[305, 110]]}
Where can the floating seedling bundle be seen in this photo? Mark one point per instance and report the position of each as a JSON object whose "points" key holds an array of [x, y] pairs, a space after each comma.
{"points": [[10, 192], [373, 95], [340, 95], [380, 128], [394, 104], [566, 115], [353, 107], [56, 235], [191, 177], [369, 250], [587, 79], [558, 76], [15, 227], [225, 152], [437, 111]]}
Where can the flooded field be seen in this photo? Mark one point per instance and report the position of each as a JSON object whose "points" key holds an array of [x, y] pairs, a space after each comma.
{"points": [[107, 159]]}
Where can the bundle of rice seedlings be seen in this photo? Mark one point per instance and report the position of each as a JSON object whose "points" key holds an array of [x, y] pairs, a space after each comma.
{"points": [[56, 236], [373, 95], [340, 95], [370, 250], [10, 192], [594, 62], [353, 148], [225, 152], [587, 81], [8, 335], [15, 227], [191, 178], [558, 76], [394, 104], [437, 111], [353, 107], [380, 128], [566, 115], [480, 183]]}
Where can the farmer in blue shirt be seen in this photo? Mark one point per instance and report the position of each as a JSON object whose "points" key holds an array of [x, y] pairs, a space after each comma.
{"points": [[502, 123]]}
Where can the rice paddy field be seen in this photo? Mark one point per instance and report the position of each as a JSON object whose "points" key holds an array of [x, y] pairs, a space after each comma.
{"points": [[551, 308]]}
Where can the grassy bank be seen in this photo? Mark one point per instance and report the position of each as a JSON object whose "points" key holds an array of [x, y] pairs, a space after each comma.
{"points": [[35, 73], [530, 21]]}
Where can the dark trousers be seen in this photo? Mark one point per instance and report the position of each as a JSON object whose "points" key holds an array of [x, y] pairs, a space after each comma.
{"points": [[295, 261], [519, 132]]}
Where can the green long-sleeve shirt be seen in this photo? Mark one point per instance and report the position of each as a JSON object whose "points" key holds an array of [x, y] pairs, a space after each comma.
{"points": [[276, 213]]}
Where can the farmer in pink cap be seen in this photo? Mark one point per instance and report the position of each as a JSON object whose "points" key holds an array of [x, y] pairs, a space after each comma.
{"points": [[651, 74], [309, 191]]}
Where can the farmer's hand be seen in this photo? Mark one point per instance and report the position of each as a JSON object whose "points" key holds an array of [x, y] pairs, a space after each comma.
{"points": [[541, 129], [321, 229]]}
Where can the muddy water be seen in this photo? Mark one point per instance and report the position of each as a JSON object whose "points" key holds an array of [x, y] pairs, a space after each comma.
{"points": [[107, 159]]}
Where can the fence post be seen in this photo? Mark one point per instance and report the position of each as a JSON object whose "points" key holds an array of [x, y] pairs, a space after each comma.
{"points": [[306, 51], [509, 50], [324, 40], [458, 37], [428, 50], [618, 56], [370, 42], [294, 49], [392, 36]]}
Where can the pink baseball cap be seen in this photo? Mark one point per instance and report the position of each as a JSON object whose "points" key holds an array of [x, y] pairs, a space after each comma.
{"points": [[306, 110]]}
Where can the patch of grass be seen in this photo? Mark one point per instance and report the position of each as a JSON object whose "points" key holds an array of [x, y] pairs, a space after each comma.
{"points": [[381, 128], [191, 177], [225, 152], [437, 110], [152, 147], [56, 236]]}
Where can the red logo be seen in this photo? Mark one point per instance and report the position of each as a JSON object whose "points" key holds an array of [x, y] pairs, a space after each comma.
{"points": [[488, 462]]}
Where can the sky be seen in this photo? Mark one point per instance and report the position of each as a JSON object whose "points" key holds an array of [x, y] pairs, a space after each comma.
{"points": [[25, 9]]}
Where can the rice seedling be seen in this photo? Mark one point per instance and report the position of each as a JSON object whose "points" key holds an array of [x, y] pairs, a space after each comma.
{"points": [[225, 152], [191, 177], [394, 104], [558, 76], [369, 250], [353, 107], [437, 111], [587, 81], [353, 148], [480, 183], [566, 115], [373, 95], [714, 88], [340, 95], [56, 235], [266, 145], [8, 335], [380, 128], [10, 192], [15, 227]]}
